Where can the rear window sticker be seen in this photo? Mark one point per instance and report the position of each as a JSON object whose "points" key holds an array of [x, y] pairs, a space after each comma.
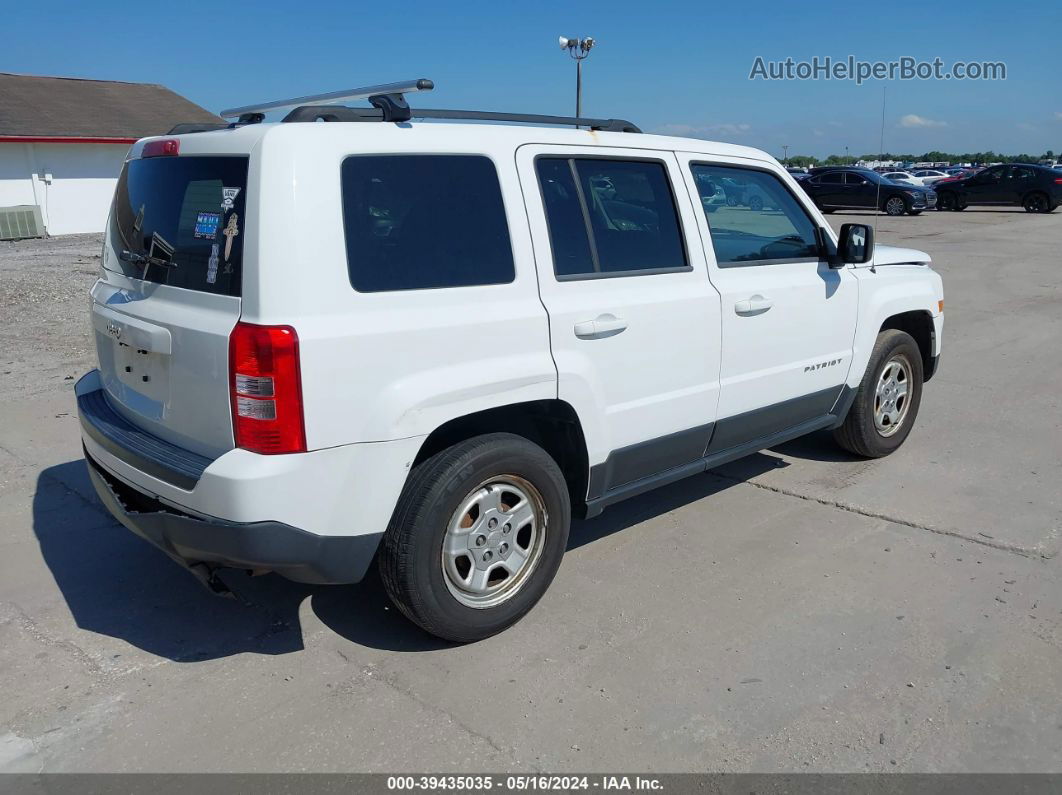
{"points": [[206, 225], [231, 230], [228, 198], [212, 264]]}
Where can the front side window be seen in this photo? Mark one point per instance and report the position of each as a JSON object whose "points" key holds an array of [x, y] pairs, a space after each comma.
{"points": [[831, 178], [610, 217], [992, 175], [854, 179], [771, 225], [418, 222]]}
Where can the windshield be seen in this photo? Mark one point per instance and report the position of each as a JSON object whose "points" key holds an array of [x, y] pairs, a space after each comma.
{"points": [[180, 221]]}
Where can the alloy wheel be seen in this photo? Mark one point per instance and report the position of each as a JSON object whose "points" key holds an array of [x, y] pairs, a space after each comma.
{"points": [[494, 541], [892, 395]]}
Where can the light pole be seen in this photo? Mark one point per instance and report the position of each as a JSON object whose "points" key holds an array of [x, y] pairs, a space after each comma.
{"points": [[577, 49], [785, 154]]}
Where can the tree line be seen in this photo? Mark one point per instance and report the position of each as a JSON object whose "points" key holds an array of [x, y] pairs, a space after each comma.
{"points": [[803, 161]]}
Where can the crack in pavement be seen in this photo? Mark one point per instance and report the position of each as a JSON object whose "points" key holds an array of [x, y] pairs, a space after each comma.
{"points": [[1040, 550], [390, 681], [18, 616]]}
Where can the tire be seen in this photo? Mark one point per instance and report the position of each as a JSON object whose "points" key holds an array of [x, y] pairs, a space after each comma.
{"points": [[756, 203], [861, 431], [895, 205], [447, 499], [1036, 202], [731, 201]]}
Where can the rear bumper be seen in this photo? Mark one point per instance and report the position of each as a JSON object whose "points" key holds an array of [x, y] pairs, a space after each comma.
{"points": [[274, 546], [313, 517]]}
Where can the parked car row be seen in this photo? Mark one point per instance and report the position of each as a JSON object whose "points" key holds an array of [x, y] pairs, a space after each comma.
{"points": [[849, 188], [1036, 188]]}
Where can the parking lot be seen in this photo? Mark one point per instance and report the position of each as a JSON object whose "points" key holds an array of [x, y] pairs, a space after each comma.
{"points": [[797, 610]]}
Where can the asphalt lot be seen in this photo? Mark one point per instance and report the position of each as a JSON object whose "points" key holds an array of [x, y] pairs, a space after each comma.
{"points": [[798, 610]]}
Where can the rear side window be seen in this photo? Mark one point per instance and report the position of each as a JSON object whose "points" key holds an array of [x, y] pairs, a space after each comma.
{"points": [[610, 217], [418, 222], [180, 221]]}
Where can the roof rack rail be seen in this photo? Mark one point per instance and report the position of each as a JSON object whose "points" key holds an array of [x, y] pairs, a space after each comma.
{"points": [[366, 92], [312, 113], [390, 105]]}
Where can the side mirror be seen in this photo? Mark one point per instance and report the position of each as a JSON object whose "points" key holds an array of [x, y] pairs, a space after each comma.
{"points": [[856, 244]]}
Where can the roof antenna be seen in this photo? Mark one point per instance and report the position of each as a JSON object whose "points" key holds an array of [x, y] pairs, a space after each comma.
{"points": [[881, 158]]}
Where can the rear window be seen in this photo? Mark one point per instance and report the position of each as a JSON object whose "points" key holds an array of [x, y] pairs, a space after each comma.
{"points": [[417, 222], [180, 221]]}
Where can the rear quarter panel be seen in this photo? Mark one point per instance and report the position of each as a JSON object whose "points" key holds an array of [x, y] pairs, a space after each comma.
{"points": [[387, 365]]}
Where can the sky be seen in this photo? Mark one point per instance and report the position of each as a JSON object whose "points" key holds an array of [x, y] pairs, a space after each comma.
{"points": [[667, 66]]}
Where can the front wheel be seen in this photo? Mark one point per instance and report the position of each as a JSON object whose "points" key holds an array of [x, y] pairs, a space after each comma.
{"points": [[895, 205], [887, 400], [477, 537], [756, 204]]}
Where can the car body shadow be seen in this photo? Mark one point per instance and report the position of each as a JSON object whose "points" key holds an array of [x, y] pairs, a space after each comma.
{"points": [[118, 585]]}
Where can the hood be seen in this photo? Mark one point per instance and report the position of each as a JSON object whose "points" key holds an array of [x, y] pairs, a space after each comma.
{"points": [[894, 255]]}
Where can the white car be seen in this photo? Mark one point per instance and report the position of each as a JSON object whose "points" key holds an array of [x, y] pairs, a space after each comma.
{"points": [[903, 176], [432, 344], [929, 175]]}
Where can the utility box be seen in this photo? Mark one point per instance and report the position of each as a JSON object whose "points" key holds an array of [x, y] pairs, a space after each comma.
{"points": [[21, 221]]}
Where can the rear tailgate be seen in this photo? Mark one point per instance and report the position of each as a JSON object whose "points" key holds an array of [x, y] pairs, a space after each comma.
{"points": [[170, 296]]}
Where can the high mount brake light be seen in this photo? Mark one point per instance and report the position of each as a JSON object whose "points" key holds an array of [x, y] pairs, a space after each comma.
{"points": [[168, 147], [266, 389]]}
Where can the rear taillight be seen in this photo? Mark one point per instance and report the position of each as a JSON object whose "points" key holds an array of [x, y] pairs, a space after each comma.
{"points": [[1058, 181], [168, 147], [266, 389]]}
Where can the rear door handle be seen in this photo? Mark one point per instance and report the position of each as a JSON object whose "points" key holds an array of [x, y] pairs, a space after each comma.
{"points": [[756, 305], [606, 325]]}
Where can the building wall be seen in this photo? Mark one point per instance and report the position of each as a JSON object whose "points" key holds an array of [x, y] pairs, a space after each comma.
{"points": [[83, 180]]}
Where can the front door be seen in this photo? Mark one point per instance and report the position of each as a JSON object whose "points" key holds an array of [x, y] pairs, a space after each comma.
{"points": [[788, 319], [634, 320], [987, 187]]}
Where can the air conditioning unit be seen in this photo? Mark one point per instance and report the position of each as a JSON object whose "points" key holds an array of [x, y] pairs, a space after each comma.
{"points": [[20, 221]]}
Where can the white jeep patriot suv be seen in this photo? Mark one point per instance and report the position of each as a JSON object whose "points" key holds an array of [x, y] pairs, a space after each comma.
{"points": [[431, 344]]}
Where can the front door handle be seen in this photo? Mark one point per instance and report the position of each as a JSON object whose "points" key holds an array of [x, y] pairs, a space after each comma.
{"points": [[606, 325], [756, 305]]}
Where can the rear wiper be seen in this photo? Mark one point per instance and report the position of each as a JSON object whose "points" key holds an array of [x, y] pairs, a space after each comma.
{"points": [[138, 258]]}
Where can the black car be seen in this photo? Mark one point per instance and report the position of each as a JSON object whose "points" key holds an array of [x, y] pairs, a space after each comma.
{"points": [[1036, 188], [862, 189]]}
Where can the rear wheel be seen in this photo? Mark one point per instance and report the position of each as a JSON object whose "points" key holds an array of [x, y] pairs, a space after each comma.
{"points": [[477, 537], [1036, 203], [887, 400], [895, 205]]}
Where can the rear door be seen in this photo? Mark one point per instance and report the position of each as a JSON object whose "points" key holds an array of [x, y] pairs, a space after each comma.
{"points": [[829, 189], [859, 191], [1019, 181], [634, 320], [170, 295]]}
